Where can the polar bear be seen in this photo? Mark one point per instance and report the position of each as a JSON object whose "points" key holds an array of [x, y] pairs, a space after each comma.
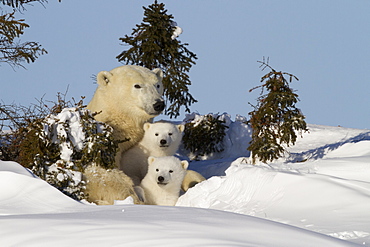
{"points": [[160, 139], [161, 185], [191, 179], [126, 98], [105, 186]]}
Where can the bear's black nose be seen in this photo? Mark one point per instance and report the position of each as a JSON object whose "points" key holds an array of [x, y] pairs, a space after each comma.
{"points": [[159, 106], [163, 142], [160, 179]]}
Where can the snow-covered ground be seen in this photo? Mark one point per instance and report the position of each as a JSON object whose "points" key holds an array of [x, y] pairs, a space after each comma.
{"points": [[318, 195]]}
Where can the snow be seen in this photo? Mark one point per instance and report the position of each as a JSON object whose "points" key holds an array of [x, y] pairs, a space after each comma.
{"points": [[317, 195], [177, 30], [55, 126]]}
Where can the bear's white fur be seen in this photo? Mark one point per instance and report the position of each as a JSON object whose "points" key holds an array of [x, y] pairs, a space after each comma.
{"points": [[160, 139], [161, 185], [105, 186], [191, 179], [126, 98]]}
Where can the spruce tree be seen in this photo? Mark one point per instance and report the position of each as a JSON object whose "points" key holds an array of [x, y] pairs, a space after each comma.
{"points": [[60, 146], [12, 51], [154, 46], [275, 120], [204, 135]]}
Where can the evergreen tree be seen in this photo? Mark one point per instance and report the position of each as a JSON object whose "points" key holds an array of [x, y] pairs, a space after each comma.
{"points": [[57, 142], [154, 46], [59, 147], [275, 119], [12, 51], [204, 135]]}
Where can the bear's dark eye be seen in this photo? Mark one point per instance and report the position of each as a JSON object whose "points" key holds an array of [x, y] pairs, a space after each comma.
{"points": [[157, 170], [170, 171], [170, 134], [156, 134], [158, 86], [137, 86]]}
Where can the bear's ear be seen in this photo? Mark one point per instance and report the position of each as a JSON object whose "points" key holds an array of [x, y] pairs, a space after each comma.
{"points": [[181, 127], [158, 72], [184, 164], [146, 126], [151, 160], [103, 77]]}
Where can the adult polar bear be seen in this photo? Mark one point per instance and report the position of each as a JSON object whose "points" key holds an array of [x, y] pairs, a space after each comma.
{"points": [[126, 98]]}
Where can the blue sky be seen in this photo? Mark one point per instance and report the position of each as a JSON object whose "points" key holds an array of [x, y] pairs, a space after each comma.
{"points": [[326, 44]]}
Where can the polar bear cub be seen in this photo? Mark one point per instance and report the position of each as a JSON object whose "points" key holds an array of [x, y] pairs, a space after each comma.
{"points": [[160, 139], [162, 184]]}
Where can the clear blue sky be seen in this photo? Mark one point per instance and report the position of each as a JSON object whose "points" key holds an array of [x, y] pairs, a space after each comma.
{"points": [[326, 44]]}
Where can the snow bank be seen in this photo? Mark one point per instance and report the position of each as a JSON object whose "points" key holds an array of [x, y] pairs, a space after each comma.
{"points": [[36, 214], [316, 202], [328, 193], [15, 168], [22, 193], [154, 226]]}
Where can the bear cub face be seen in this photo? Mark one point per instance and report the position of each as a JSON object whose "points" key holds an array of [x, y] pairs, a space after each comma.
{"points": [[163, 135], [167, 170]]}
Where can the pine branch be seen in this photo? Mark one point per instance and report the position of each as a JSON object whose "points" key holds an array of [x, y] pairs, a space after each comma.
{"points": [[15, 53], [20, 4]]}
